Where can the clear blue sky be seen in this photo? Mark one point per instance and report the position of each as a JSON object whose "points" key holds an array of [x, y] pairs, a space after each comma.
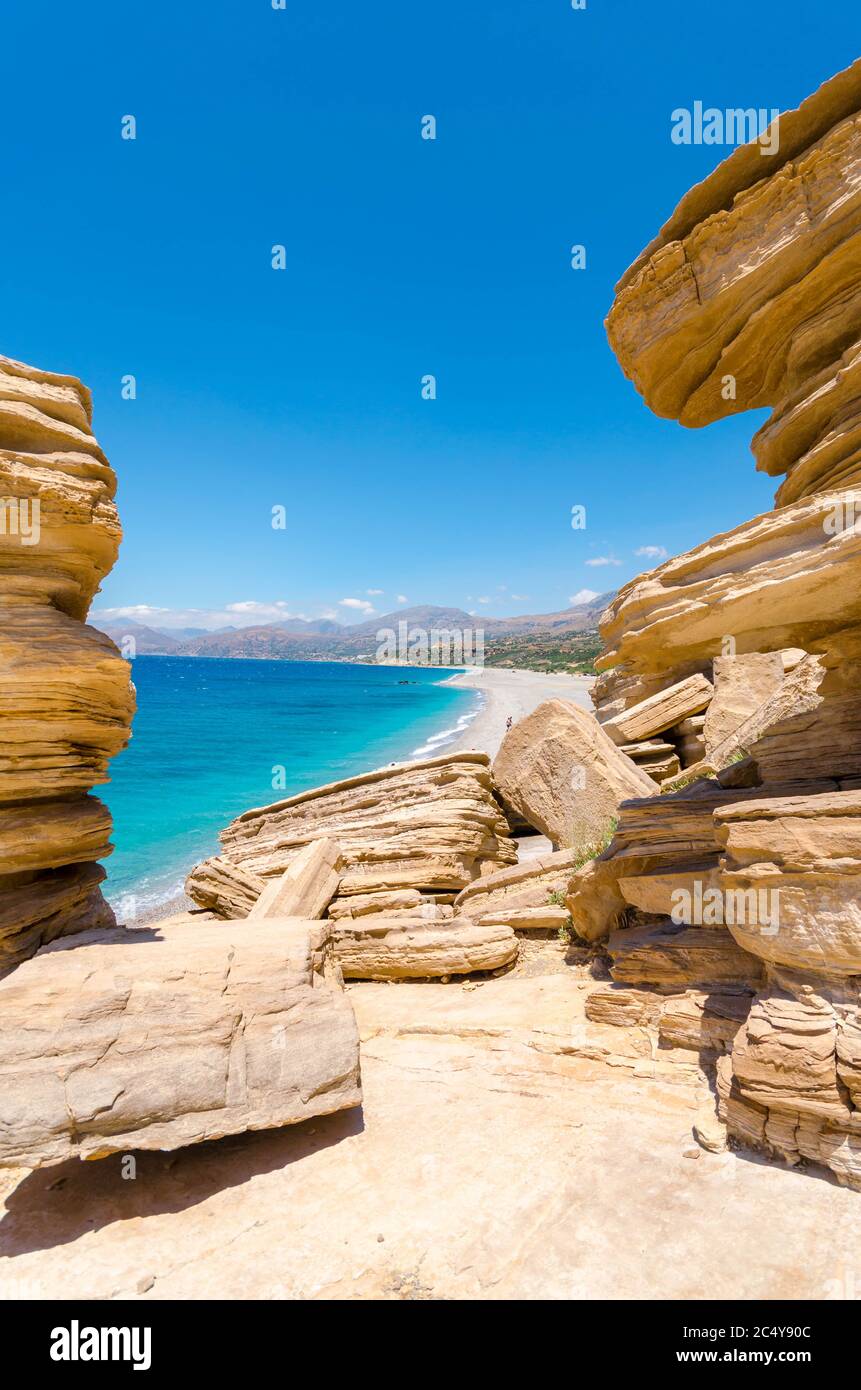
{"points": [[404, 257]]}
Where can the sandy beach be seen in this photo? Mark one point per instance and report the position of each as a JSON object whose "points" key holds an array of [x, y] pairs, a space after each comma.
{"points": [[514, 694]]}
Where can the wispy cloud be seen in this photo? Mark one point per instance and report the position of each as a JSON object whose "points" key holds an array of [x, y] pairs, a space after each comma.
{"points": [[242, 613], [521, 598], [361, 605], [375, 593], [582, 596], [402, 598], [652, 552], [603, 560]]}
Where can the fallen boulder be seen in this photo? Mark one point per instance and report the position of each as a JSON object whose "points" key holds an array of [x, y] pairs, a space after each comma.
{"points": [[558, 769], [161, 1037], [224, 888], [306, 887], [742, 684]]}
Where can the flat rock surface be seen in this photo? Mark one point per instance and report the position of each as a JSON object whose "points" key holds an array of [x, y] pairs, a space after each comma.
{"points": [[457, 1179]]}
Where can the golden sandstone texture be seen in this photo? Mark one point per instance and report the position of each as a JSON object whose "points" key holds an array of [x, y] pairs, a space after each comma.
{"points": [[158, 1038], [66, 699], [430, 826], [733, 901]]}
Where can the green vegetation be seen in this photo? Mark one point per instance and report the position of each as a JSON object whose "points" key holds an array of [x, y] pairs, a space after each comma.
{"points": [[592, 851], [573, 652]]}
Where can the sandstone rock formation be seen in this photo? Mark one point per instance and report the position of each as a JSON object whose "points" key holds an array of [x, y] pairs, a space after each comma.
{"points": [[661, 711], [431, 825], [307, 885], [750, 297], [535, 883], [224, 888], [558, 769], [742, 684], [162, 1037], [66, 700], [378, 947]]}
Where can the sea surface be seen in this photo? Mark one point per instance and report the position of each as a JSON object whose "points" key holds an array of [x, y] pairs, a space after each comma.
{"points": [[213, 737]]}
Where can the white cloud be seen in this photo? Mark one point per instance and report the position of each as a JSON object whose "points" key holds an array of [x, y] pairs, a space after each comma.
{"points": [[361, 605], [375, 593], [521, 598], [243, 613], [251, 607], [582, 596], [652, 552], [484, 600], [603, 560], [402, 598]]}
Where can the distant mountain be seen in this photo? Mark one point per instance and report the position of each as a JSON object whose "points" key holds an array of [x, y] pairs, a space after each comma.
{"points": [[148, 642], [321, 639], [579, 619], [263, 641], [424, 615], [309, 625]]}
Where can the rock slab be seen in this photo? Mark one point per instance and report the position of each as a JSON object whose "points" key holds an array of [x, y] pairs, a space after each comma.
{"points": [[158, 1038], [306, 888]]}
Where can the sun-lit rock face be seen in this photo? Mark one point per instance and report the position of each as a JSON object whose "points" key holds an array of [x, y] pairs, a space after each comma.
{"points": [[746, 883], [66, 700], [432, 825]]}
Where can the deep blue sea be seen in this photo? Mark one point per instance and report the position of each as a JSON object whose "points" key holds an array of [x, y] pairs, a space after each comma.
{"points": [[211, 738]]}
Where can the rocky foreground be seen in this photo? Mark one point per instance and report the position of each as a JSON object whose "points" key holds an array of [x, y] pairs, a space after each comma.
{"points": [[583, 1021]]}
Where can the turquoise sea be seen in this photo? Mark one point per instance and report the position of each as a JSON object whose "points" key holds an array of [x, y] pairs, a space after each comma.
{"points": [[211, 737]]}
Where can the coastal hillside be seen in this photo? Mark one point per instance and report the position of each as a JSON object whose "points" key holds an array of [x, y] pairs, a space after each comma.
{"points": [[543, 641]]}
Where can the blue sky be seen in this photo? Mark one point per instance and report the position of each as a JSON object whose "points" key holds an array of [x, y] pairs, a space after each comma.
{"points": [[405, 257]]}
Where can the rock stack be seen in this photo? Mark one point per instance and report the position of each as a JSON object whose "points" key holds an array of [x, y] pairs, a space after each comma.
{"points": [[734, 901], [66, 700]]}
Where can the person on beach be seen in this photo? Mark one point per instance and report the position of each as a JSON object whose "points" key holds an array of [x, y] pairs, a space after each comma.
{"points": [[509, 721]]}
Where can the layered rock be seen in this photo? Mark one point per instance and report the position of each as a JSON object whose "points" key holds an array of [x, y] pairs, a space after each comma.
{"points": [[432, 826], [162, 1037], [540, 882], [66, 700], [393, 948], [561, 773], [742, 684], [306, 887], [750, 297], [662, 710]]}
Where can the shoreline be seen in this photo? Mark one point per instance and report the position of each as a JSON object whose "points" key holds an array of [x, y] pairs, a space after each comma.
{"points": [[504, 693], [513, 693]]}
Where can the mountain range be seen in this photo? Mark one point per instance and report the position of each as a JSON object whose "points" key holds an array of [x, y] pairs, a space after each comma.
{"points": [[299, 639]]}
